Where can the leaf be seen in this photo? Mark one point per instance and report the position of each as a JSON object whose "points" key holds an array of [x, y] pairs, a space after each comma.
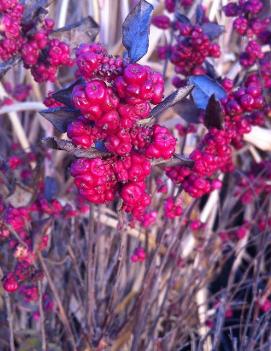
{"points": [[50, 188], [65, 95], [185, 161], [178, 160], [7, 65], [20, 196], [65, 145], [205, 87], [60, 117], [212, 30], [187, 110], [211, 72], [135, 30], [214, 114], [171, 100], [34, 12], [84, 31], [182, 18]]}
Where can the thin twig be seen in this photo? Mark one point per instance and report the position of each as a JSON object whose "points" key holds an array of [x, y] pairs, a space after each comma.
{"points": [[10, 322], [42, 319], [62, 312]]}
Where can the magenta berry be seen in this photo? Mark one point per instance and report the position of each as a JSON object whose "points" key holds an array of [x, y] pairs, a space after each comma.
{"points": [[10, 283]]}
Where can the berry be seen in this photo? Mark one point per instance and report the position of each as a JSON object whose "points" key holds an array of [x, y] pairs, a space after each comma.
{"points": [[10, 283]]}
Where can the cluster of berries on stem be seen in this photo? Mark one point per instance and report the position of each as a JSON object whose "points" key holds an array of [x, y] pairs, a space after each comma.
{"points": [[113, 96], [40, 52]]}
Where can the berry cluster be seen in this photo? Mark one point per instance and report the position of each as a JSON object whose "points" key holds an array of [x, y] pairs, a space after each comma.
{"points": [[172, 208], [10, 28], [244, 107], [94, 61], [110, 107], [211, 155], [246, 21], [252, 53], [190, 50], [248, 24], [40, 53], [44, 55]]}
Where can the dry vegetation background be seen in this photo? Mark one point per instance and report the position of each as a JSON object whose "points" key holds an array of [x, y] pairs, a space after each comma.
{"points": [[102, 300]]}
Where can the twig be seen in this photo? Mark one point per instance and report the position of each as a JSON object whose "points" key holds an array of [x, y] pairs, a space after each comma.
{"points": [[62, 312], [90, 275], [10, 322], [22, 106], [42, 319]]}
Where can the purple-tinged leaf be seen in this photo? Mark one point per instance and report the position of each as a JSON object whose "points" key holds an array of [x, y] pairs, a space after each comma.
{"points": [[6, 66], [210, 70], [60, 117], [182, 18], [212, 30], [172, 99], [50, 188], [33, 13], [84, 31], [135, 30], [65, 145], [205, 87], [214, 114], [184, 160], [187, 110], [177, 160], [19, 195], [65, 95]]}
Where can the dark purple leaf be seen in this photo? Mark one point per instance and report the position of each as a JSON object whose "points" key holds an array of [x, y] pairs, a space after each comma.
{"points": [[135, 30], [210, 70], [187, 110], [65, 95], [177, 160], [65, 145], [212, 30], [205, 87], [213, 114], [84, 31], [184, 160], [50, 188], [34, 12], [171, 100], [60, 117], [182, 18], [6, 66]]}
